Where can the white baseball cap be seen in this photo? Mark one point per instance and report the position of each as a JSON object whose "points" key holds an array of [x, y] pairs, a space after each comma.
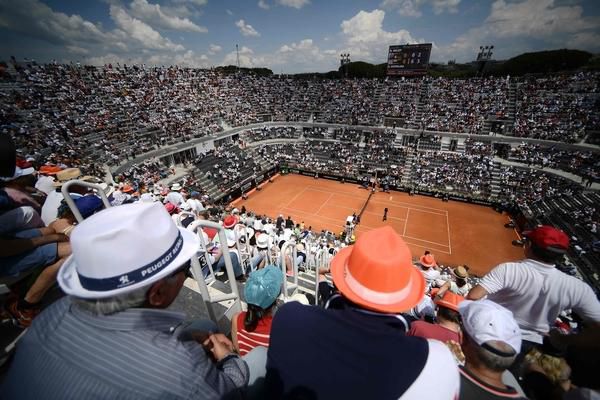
{"points": [[124, 248], [485, 321]]}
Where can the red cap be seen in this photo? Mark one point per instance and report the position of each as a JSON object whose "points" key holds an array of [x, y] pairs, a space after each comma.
{"points": [[548, 238]]}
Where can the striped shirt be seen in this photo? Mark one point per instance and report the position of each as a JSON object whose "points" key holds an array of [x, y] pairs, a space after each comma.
{"points": [[259, 337], [69, 353]]}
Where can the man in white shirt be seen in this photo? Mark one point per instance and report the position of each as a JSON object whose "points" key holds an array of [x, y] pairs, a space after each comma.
{"points": [[534, 290], [174, 197]]}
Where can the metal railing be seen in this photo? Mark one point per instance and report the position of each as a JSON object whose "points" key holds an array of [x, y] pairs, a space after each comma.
{"points": [[208, 299], [71, 203]]}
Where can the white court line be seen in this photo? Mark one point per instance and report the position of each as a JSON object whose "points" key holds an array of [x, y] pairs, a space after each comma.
{"points": [[426, 241], [294, 198], [410, 237], [405, 223], [448, 226], [323, 205], [407, 242], [374, 213], [412, 206], [307, 214], [318, 189]]}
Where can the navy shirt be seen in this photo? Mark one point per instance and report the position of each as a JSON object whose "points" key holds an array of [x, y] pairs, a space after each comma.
{"points": [[342, 354]]}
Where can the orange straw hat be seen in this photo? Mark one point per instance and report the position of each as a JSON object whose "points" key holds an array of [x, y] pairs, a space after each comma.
{"points": [[450, 300], [428, 260], [377, 273]]}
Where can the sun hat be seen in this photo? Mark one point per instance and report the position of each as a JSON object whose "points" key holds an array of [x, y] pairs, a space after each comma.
{"points": [[147, 198], [68, 174], [120, 249], [486, 321], [229, 222], [262, 241], [449, 300], [263, 286], [258, 226], [50, 169], [460, 272], [176, 186], [548, 238], [377, 272], [428, 260], [19, 172]]}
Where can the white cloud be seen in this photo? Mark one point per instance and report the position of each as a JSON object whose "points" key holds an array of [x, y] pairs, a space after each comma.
{"points": [[214, 49], [193, 2], [537, 18], [366, 40], [156, 16], [411, 8], [247, 58], [263, 4], [512, 25], [246, 29], [77, 50], [229, 12], [141, 32], [298, 4], [35, 19]]}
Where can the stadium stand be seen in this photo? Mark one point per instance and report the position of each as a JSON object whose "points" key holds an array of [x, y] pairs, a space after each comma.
{"points": [[153, 134]]}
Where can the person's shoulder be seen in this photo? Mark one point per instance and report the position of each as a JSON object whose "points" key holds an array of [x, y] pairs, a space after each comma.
{"points": [[294, 314]]}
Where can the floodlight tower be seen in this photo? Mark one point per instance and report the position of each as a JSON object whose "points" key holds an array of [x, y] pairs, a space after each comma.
{"points": [[344, 61], [484, 55]]}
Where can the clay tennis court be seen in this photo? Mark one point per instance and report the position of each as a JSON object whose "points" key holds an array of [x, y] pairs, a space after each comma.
{"points": [[457, 233]]}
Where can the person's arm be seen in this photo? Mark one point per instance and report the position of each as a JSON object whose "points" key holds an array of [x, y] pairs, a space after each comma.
{"points": [[228, 361], [477, 293], [445, 287], [13, 247], [234, 329]]}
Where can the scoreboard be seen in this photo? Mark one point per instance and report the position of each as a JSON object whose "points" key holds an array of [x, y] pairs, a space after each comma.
{"points": [[408, 59]]}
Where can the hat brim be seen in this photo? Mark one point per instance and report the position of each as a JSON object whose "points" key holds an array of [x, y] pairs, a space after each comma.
{"points": [[68, 278], [414, 296], [425, 264]]}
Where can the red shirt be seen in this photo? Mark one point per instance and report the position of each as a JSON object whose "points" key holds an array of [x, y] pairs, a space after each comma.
{"points": [[259, 337], [432, 331]]}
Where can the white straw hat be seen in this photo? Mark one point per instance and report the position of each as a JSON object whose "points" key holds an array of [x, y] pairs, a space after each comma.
{"points": [[124, 248]]}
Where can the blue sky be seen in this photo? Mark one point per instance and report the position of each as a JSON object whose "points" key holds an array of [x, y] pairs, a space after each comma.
{"points": [[287, 35]]}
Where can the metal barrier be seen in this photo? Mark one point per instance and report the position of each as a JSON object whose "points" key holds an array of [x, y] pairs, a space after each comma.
{"points": [[207, 298], [181, 215], [211, 274], [285, 249], [71, 203]]}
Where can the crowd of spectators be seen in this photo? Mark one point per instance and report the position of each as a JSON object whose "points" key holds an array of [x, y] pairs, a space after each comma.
{"points": [[109, 114], [557, 107]]}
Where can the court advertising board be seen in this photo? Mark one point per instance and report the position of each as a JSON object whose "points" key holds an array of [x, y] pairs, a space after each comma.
{"points": [[408, 59]]}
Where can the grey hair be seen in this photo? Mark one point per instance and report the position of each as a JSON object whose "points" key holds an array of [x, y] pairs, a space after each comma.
{"points": [[114, 304], [494, 361]]}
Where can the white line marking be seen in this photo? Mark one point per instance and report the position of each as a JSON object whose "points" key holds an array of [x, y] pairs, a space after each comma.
{"points": [[367, 228], [323, 205], [410, 237], [294, 198], [411, 206], [448, 226], [405, 222]]}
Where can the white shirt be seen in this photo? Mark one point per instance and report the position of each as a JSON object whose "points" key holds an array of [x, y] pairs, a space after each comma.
{"points": [[536, 293]]}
